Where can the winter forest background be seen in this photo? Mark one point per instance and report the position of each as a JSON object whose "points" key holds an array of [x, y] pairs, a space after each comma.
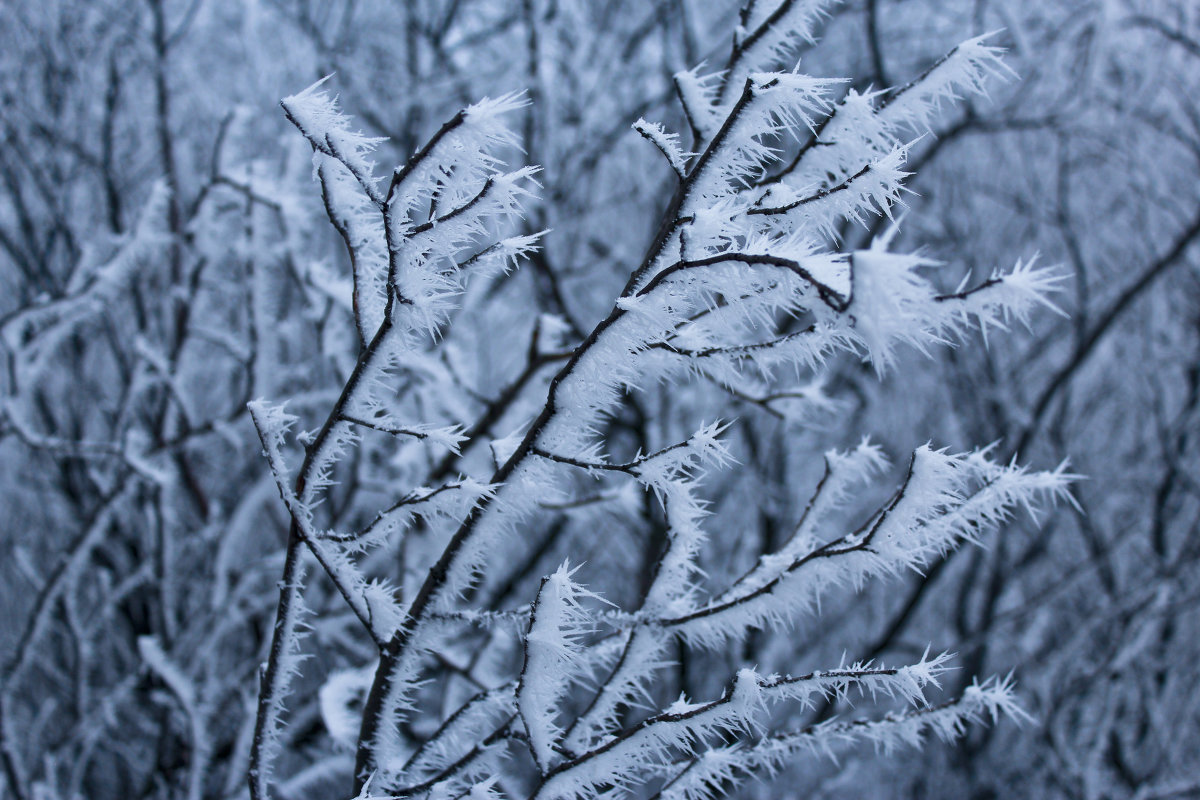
{"points": [[569, 506]]}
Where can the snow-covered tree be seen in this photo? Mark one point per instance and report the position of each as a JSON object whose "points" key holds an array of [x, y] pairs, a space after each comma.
{"points": [[742, 287], [165, 258]]}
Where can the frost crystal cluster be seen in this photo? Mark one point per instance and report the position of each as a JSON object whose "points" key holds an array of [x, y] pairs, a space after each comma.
{"points": [[555, 694]]}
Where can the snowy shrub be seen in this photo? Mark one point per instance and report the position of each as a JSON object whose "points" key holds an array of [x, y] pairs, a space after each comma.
{"points": [[558, 694]]}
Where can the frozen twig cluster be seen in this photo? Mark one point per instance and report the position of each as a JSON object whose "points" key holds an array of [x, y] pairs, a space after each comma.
{"points": [[742, 283]]}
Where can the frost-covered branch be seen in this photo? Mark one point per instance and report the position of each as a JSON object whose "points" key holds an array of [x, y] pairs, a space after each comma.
{"points": [[747, 245]]}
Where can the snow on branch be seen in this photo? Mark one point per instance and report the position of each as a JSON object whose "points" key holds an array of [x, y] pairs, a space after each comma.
{"points": [[744, 278], [965, 70], [557, 623], [272, 423], [316, 115], [667, 144], [455, 183], [945, 499], [703, 775], [632, 756], [769, 31], [897, 305], [460, 153]]}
